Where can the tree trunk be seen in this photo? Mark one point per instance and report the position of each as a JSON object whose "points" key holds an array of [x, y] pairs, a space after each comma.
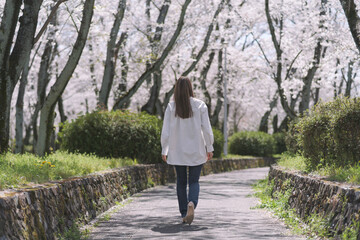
{"points": [[214, 118], [19, 147], [284, 126], [63, 118], [150, 106], [353, 19], [47, 111], [318, 53], [350, 79], [122, 88], [316, 95], [11, 65], [278, 74], [109, 70], [203, 77], [44, 77], [126, 97], [92, 70], [306, 90], [275, 124], [265, 119], [27, 134]]}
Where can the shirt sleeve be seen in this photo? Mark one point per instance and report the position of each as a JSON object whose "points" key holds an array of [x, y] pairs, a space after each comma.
{"points": [[206, 129], [165, 132]]}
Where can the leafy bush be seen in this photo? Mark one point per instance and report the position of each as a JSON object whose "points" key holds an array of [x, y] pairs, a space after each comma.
{"points": [[345, 131], [218, 143], [114, 134], [252, 143], [330, 134], [279, 138], [313, 137]]}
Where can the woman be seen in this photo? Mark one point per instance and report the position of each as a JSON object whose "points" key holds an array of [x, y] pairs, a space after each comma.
{"points": [[187, 142]]}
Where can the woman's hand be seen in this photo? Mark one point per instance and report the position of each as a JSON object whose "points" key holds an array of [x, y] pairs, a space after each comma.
{"points": [[209, 155], [164, 158]]}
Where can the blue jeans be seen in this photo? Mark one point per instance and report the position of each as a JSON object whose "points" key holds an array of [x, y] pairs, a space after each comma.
{"points": [[181, 185]]}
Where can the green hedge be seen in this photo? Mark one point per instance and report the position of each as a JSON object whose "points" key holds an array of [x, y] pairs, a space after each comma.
{"points": [[114, 134], [252, 143], [330, 134], [280, 145], [218, 143]]}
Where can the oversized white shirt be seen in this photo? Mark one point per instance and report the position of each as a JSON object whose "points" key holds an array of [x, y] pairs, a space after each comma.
{"points": [[186, 141]]}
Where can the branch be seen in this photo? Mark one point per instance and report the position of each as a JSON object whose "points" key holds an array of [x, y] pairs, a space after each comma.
{"points": [[290, 67], [158, 62], [43, 28], [353, 19], [272, 29], [200, 53], [262, 50]]}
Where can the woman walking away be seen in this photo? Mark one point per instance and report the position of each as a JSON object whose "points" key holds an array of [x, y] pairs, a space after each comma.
{"points": [[187, 143]]}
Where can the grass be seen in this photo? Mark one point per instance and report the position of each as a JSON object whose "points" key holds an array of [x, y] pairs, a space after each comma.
{"points": [[349, 174], [313, 226], [290, 162], [17, 170]]}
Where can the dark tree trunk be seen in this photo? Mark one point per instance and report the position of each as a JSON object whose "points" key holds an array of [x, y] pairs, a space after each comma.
{"points": [[122, 88], [265, 118], [214, 119], [306, 90], [44, 76], [353, 19], [150, 106], [284, 126], [109, 70], [203, 78], [275, 124], [318, 53], [11, 65], [350, 79], [278, 75], [47, 110], [19, 147], [92, 70], [27, 134]]}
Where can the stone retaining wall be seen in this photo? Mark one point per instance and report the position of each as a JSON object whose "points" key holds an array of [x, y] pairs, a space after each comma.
{"points": [[338, 203], [44, 211]]}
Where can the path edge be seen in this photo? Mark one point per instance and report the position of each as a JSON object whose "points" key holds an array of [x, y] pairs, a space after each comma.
{"points": [[338, 203], [45, 211]]}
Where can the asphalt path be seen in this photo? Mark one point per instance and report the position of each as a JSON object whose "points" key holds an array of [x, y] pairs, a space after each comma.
{"points": [[225, 211]]}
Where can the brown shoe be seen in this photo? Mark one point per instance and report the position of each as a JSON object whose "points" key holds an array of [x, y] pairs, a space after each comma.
{"points": [[190, 213]]}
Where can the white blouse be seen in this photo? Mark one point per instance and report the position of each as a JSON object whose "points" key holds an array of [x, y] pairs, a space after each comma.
{"points": [[186, 141]]}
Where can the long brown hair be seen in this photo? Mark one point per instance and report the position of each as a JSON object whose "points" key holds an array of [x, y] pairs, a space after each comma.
{"points": [[182, 93]]}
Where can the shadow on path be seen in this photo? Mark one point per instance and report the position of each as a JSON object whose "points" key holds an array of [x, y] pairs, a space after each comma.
{"points": [[224, 212]]}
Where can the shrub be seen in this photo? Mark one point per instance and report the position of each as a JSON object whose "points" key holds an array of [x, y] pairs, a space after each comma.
{"points": [[252, 143], [330, 134], [114, 134], [313, 137], [345, 131], [218, 143], [280, 145]]}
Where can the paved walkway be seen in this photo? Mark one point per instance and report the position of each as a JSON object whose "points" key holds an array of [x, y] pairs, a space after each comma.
{"points": [[224, 212]]}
